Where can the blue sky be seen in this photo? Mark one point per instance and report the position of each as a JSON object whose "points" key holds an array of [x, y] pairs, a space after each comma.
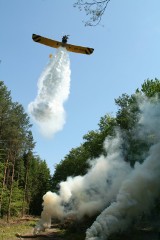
{"points": [[127, 50]]}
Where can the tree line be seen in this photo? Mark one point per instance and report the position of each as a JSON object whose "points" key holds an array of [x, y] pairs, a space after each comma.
{"points": [[24, 177]]}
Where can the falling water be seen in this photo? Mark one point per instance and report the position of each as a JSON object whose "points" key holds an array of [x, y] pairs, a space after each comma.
{"points": [[47, 109]]}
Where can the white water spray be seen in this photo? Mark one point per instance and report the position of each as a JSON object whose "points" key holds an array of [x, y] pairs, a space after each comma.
{"points": [[53, 90]]}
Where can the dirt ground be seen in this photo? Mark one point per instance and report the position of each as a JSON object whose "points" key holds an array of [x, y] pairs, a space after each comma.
{"points": [[146, 233], [58, 231], [73, 230], [52, 233]]}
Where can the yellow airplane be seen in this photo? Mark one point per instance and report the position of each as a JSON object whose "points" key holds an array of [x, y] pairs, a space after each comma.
{"points": [[63, 43]]}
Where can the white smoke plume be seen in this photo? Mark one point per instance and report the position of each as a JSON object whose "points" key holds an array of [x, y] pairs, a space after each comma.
{"points": [[53, 90], [89, 194], [138, 192], [111, 186]]}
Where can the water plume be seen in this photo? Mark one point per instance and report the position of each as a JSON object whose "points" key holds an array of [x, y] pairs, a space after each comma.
{"points": [[53, 90]]}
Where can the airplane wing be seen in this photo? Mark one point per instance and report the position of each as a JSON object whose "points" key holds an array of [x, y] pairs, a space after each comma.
{"points": [[79, 49], [56, 44], [46, 41]]}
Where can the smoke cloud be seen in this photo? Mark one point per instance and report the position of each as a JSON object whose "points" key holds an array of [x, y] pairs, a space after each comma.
{"points": [[53, 90], [89, 194], [137, 192], [111, 187]]}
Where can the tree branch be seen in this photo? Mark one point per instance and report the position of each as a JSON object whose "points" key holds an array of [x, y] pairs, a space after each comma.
{"points": [[94, 9]]}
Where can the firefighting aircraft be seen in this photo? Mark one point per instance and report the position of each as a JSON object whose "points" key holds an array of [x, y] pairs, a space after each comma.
{"points": [[63, 43]]}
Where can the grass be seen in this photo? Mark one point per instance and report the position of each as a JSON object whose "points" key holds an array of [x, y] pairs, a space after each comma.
{"points": [[21, 226]]}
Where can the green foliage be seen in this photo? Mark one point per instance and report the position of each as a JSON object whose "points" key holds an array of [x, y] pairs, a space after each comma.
{"points": [[39, 182], [4, 206], [16, 204], [1, 173], [23, 177], [128, 116], [127, 113], [151, 88]]}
